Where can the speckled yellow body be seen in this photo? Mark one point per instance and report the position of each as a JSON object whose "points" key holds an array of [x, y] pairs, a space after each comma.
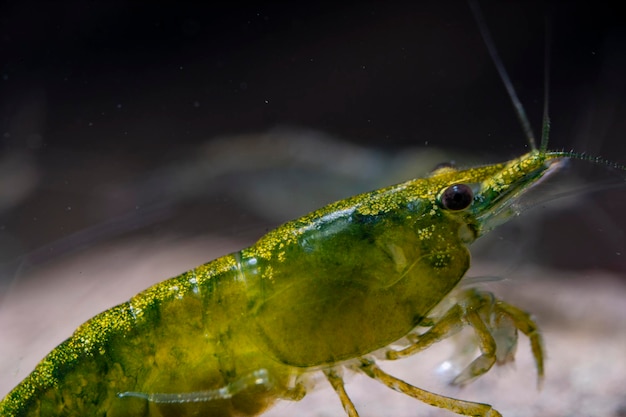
{"points": [[319, 293]]}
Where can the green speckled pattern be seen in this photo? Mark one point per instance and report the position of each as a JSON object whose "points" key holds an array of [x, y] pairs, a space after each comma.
{"points": [[334, 285]]}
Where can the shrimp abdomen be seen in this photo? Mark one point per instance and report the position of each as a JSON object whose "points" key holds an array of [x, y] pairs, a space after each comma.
{"points": [[183, 335]]}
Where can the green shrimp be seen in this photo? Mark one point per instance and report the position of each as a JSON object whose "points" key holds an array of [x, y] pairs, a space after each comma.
{"points": [[319, 293], [329, 292]]}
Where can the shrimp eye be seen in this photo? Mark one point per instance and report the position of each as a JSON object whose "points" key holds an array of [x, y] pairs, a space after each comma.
{"points": [[457, 197]]}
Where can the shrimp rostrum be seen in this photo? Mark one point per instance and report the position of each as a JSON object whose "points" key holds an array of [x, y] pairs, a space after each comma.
{"points": [[317, 294]]}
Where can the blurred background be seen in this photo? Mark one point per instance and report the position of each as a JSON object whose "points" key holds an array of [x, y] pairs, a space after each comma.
{"points": [[138, 140]]}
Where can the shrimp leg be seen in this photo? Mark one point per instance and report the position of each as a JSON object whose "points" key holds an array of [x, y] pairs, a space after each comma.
{"points": [[524, 322], [337, 383], [486, 315], [466, 408], [259, 378]]}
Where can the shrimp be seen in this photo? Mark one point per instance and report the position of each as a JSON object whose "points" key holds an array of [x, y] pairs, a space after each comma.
{"points": [[330, 292], [319, 293]]}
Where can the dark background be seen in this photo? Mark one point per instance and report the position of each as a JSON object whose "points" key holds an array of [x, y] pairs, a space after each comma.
{"points": [[97, 94]]}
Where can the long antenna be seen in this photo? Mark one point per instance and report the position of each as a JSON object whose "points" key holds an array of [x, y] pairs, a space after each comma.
{"points": [[545, 125], [517, 104]]}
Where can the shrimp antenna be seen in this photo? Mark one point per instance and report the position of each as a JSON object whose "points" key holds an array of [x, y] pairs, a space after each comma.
{"points": [[545, 125], [517, 104]]}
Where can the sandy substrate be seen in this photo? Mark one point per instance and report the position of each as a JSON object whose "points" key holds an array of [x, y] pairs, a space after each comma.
{"points": [[582, 315]]}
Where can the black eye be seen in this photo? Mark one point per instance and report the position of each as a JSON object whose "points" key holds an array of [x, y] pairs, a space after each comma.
{"points": [[457, 197]]}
